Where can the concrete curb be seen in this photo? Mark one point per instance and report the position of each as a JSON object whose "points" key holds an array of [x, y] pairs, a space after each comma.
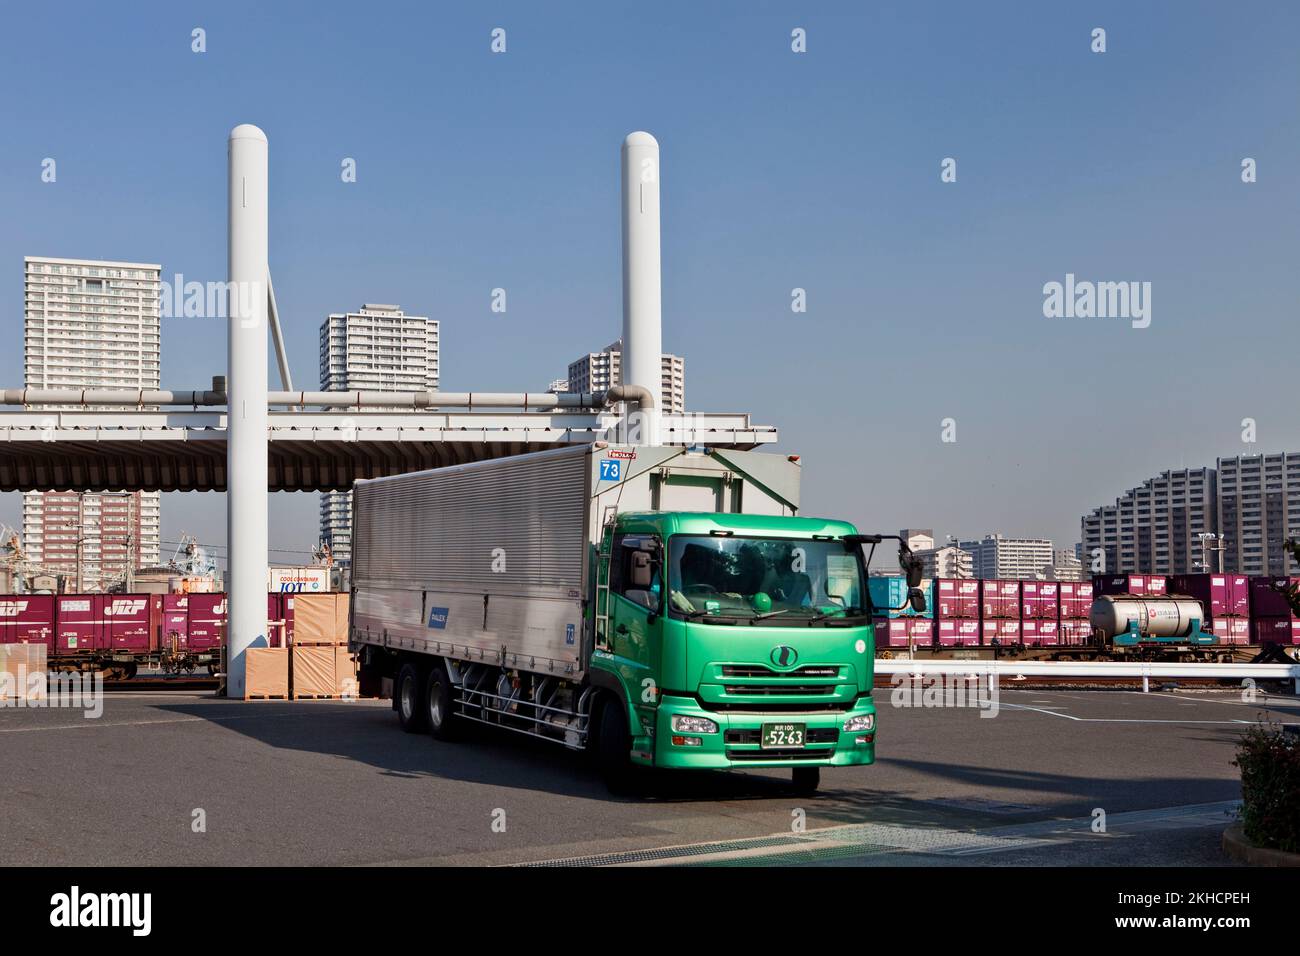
{"points": [[1235, 845]]}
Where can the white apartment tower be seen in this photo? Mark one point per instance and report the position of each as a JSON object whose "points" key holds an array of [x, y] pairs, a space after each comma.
{"points": [[997, 556], [598, 371], [377, 348], [91, 324]]}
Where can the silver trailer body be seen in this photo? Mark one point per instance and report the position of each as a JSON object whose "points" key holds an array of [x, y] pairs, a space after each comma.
{"points": [[492, 561]]}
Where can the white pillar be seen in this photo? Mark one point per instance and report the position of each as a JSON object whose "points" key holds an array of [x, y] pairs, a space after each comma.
{"points": [[246, 452], [642, 312]]}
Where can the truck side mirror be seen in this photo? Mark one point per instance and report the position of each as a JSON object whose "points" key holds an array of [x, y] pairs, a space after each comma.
{"points": [[641, 576], [916, 598], [911, 565]]}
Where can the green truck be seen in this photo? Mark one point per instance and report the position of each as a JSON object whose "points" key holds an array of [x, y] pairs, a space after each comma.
{"points": [[654, 606]]}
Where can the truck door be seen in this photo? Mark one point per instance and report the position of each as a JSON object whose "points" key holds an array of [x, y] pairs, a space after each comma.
{"points": [[636, 595]]}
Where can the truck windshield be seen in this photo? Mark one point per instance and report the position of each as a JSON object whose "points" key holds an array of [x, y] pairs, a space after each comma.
{"points": [[783, 581]]}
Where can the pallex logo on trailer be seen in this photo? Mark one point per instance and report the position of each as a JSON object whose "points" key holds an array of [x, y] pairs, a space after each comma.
{"points": [[12, 608], [438, 618]]}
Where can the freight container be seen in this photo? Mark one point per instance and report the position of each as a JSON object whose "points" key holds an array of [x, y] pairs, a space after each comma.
{"points": [[1040, 600], [1276, 630], [999, 598], [1129, 584], [1266, 600], [959, 632], [889, 596], [27, 619], [206, 623], [309, 580], [1076, 600], [956, 598], [131, 622], [1049, 633], [175, 624], [1074, 630], [1222, 595], [905, 631], [80, 624], [1238, 630], [1002, 631], [543, 593]]}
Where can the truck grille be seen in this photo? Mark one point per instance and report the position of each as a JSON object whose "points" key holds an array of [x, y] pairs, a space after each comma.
{"points": [[785, 690], [760, 670]]}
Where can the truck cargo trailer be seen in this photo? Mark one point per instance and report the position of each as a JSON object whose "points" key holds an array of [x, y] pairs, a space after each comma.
{"points": [[658, 606]]}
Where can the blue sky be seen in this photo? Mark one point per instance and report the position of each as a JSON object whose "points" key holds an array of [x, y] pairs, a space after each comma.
{"points": [[818, 171]]}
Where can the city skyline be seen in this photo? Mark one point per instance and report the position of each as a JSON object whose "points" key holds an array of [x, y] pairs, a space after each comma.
{"points": [[948, 276]]}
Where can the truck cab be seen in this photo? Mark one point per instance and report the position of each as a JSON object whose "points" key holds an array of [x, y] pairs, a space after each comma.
{"points": [[735, 641]]}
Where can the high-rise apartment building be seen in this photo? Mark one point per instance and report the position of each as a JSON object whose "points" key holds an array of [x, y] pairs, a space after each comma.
{"points": [[91, 324], [949, 561], [598, 371], [1153, 528], [998, 556], [1258, 510], [376, 348]]}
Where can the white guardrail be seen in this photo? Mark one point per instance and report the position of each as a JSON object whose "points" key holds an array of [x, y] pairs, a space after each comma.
{"points": [[1142, 669]]}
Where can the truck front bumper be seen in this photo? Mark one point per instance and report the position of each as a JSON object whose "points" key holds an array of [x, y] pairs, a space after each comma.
{"points": [[737, 743]]}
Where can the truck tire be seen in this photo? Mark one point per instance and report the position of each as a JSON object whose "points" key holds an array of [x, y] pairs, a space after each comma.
{"points": [[438, 704], [806, 780], [614, 747], [408, 694]]}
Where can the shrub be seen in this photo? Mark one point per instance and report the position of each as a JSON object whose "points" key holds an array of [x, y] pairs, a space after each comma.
{"points": [[1269, 760]]}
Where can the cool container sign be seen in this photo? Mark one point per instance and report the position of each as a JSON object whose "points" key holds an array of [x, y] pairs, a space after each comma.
{"points": [[298, 580]]}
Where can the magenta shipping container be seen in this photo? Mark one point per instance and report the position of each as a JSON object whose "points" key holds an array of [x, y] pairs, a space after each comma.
{"points": [[1002, 630], [999, 598], [27, 619], [131, 621], [1040, 600], [1130, 584], [959, 632], [1231, 630], [1074, 630], [1266, 601], [207, 622], [1221, 595], [1276, 630], [176, 621], [1076, 599], [80, 628], [903, 631], [1049, 633], [956, 598]]}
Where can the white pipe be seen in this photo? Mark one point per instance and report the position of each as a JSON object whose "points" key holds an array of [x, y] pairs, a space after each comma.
{"points": [[246, 434], [413, 400], [642, 307]]}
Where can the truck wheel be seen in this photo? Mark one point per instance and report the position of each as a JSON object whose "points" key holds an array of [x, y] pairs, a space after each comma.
{"points": [[411, 712], [439, 706], [806, 780], [614, 748]]}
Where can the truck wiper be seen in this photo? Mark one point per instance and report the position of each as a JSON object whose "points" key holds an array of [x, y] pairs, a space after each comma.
{"points": [[844, 611]]}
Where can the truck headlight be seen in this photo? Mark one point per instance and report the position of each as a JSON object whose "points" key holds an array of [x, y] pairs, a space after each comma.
{"points": [[862, 722], [686, 724]]}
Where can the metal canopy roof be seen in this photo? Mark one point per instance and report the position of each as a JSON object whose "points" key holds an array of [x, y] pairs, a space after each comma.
{"points": [[131, 450]]}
